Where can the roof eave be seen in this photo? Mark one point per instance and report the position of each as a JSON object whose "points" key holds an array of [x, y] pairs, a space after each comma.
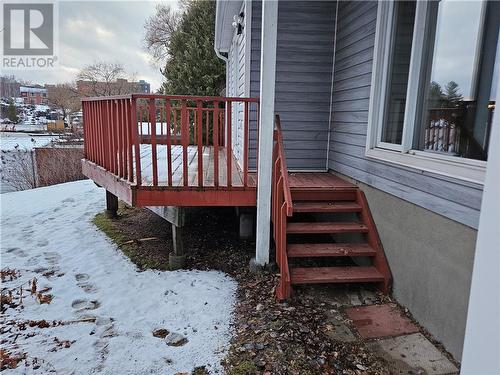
{"points": [[225, 10]]}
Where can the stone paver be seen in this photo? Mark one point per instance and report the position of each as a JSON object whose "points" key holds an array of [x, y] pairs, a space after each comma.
{"points": [[340, 330], [377, 321], [412, 354]]}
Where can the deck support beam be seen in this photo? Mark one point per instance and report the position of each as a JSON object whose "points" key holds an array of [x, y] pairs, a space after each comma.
{"points": [[266, 121], [111, 205]]}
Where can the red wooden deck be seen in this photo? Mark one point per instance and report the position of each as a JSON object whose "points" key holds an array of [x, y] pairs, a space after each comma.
{"points": [[156, 150]]}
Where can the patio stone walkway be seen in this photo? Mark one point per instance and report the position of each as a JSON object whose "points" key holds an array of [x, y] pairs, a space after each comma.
{"points": [[358, 314]]}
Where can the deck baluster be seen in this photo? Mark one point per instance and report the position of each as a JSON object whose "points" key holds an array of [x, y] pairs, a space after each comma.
{"points": [[199, 119], [154, 153], [229, 152], [135, 140], [245, 146], [215, 138], [169, 142], [185, 141], [207, 127]]}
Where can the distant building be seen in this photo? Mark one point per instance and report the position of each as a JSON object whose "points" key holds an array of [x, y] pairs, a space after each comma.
{"points": [[9, 87], [33, 95], [144, 86], [119, 87]]}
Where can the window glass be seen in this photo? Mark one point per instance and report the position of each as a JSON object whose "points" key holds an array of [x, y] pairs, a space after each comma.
{"points": [[457, 108], [399, 66]]}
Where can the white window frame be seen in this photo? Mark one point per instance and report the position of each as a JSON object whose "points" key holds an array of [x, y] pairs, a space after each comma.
{"points": [[455, 167]]}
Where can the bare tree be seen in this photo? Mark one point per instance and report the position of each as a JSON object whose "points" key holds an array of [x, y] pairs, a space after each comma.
{"points": [[18, 169], [64, 97], [104, 79], [158, 29], [56, 165], [23, 169]]}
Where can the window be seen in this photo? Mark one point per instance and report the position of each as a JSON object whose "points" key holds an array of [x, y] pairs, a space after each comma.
{"points": [[398, 69], [436, 65]]}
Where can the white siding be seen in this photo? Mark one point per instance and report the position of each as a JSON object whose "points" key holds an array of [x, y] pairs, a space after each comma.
{"points": [[236, 88]]}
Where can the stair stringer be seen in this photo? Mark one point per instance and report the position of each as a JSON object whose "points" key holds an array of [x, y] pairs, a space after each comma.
{"points": [[379, 261]]}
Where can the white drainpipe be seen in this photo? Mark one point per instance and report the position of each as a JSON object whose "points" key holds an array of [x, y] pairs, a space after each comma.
{"points": [[223, 58]]}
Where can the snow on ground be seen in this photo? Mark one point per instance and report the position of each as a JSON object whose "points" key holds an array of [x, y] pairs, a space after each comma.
{"points": [[13, 141], [48, 231]]}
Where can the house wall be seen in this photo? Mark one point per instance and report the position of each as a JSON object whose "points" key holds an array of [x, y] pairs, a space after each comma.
{"points": [[303, 77], [426, 221], [455, 199], [431, 260], [236, 87]]}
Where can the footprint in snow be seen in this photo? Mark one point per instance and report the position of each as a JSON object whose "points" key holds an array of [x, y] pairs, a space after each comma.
{"points": [[52, 257], [42, 243], [33, 261], [28, 230], [83, 305], [17, 252], [82, 277], [82, 282], [68, 200]]}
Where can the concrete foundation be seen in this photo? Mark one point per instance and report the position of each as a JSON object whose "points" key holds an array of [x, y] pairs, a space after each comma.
{"points": [[431, 259], [246, 217], [246, 225]]}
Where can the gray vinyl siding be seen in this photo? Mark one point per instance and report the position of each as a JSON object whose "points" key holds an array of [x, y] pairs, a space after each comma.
{"points": [[455, 199], [304, 63]]}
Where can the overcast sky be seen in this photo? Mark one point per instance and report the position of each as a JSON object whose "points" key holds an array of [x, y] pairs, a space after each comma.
{"points": [[91, 31]]}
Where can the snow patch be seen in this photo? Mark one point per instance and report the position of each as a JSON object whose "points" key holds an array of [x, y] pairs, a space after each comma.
{"points": [[48, 231]]}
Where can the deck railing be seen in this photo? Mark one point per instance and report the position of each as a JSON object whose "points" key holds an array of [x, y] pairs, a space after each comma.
{"points": [[282, 207], [121, 130]]}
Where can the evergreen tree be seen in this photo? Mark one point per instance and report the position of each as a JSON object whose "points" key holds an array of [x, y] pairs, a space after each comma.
{"points": [[435, 95], [452, 94], [12, 112], [192, 67]]}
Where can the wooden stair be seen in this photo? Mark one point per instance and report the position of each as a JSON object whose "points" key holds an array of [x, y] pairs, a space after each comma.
{"points": [[329, 250], [310, 236], [321, 275]]}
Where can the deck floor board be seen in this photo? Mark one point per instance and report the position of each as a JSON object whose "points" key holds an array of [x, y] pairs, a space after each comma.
{"points": [[192, 159]]}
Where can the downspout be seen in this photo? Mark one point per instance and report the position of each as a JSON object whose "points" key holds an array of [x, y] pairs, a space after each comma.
{"points": [[225, 59], [331, 89]]}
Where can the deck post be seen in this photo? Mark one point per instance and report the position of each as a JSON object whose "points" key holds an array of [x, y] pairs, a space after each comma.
{"points": [[111, 205], [266, 121], [246, 219], [177, 258]]}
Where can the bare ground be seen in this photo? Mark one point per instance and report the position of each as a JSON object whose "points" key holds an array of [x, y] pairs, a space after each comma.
{"points": [[296, 337]]}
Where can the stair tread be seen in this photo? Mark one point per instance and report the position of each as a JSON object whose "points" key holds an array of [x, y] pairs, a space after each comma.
{"points": [[323, 275], [329, 250], [319, 181], [326, 227], [326, 206]]}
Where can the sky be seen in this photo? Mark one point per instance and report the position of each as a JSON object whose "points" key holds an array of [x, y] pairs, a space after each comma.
{"points": [[91, 31]]}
